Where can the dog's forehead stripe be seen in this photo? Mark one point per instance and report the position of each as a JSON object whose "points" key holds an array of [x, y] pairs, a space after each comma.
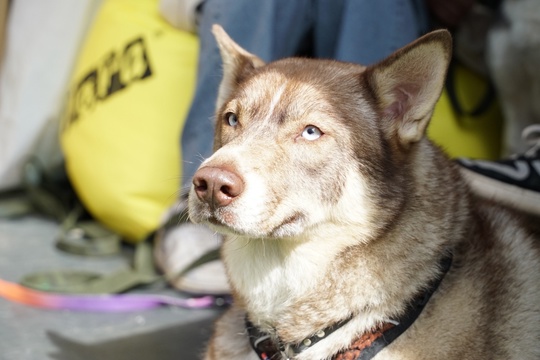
{"points": [[276, 97]]}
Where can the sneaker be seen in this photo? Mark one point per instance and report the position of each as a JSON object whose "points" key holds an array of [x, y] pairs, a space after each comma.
{"points": [[514, 181], [180, 251]]}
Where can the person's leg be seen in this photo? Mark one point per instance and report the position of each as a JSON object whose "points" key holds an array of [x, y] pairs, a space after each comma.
{"points": [[271, 29], [328, 16], [371, 30]]}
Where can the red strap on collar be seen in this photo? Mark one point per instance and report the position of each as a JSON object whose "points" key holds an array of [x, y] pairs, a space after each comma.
{"points": [[365, 341]]}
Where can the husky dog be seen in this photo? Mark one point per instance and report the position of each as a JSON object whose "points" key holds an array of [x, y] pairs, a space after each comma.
{"points": [[348, 234]]}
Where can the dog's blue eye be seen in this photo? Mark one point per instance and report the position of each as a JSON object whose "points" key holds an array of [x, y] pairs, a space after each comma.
{"points": [[231, 118], [311, 133]]}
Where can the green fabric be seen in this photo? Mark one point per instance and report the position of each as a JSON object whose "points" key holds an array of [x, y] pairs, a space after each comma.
{"points": [[14, 204], [88, 238], [83, 282]]}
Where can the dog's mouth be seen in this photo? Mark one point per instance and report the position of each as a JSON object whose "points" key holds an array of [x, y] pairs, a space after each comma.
{"points": [[215, 221], [290, 226]]}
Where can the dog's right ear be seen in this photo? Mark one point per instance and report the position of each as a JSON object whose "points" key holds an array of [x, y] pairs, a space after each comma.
{"points": [[408, 84], [237, 63]]}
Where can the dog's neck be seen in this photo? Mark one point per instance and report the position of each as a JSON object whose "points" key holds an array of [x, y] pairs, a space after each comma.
{"points": [[285, 283], [269, 272]]}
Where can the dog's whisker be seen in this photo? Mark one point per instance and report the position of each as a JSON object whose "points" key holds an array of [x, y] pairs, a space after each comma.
{"points": [[235, 238], [184, 217], [200, 157], [263, 248]]}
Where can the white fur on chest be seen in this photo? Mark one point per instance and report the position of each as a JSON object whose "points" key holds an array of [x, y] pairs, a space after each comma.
{"points": [[270, 274]]}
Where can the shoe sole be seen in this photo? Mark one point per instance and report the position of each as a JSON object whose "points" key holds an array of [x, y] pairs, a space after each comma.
{"points": [[510, 195]]}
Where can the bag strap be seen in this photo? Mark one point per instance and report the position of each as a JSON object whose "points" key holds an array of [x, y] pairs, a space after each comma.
{"points": [[141, 272], [86, 237], [14, 203]]}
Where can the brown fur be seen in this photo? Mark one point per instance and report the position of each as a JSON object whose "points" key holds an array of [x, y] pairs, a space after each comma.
{"points": [[354, 222]]}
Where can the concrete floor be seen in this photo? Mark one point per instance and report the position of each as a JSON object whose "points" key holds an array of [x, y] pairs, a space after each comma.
{"points": [[26, 333]]}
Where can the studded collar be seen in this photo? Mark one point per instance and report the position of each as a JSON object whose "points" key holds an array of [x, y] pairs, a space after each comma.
{"points": [[365, 347]]}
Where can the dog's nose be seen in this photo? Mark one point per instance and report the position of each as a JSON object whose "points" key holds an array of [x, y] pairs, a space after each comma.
{"points": [[217, 186]]}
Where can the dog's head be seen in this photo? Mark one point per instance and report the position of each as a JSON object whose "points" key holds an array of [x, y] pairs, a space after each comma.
{"points": [[301, 143]]}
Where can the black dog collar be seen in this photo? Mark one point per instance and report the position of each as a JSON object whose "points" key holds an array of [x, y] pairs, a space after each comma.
{"points": [[364, 348]]}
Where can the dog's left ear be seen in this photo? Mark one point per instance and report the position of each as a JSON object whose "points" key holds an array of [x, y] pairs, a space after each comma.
{"points": [[237, 62], [237, 65], [408, 84]]}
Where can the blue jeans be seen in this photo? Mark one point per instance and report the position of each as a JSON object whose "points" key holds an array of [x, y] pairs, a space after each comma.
{"points": [[359, 31]]}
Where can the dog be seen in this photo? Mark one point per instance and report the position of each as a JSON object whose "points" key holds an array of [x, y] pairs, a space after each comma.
{"points": [[347, 233]]}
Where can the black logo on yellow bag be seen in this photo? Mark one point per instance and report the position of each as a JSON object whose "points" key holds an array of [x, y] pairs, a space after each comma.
{"points": [[117, 71]]}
